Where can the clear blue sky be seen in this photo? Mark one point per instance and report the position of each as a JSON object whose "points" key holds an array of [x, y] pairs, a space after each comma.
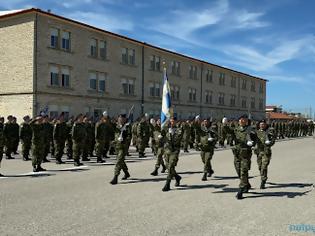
{"points": [[270, 39]]}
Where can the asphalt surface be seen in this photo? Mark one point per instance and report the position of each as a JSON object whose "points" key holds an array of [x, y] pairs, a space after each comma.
{"points": [[80, 201]]}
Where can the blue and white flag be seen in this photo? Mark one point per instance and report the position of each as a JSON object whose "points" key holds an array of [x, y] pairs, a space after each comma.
{"points": [[166, 112]]}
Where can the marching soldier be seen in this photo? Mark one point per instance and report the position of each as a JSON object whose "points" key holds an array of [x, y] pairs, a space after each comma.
{"points": [[1, 139], [143, 135], [60, 136], [48, 136], [244, 141], [224, 131], [79, 136], [265, 140], [207, 139], [121, 134], [159, 140], [173, 138], [26, 138], [186, 135], [38, 143], [152, 128]]}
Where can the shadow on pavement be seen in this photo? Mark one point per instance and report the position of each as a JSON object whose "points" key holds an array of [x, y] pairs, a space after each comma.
{"points": [[278, 194], [230, 177], [289, 185], [190, 172], [136, 180], [228, 190], [33, 175], [192, 187], [70, 170]]}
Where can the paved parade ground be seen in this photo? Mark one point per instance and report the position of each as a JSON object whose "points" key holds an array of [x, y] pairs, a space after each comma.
{"points": [[80, 201]]}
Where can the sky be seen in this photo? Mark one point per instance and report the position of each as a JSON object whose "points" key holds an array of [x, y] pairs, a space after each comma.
{"points": [[271, 39]]}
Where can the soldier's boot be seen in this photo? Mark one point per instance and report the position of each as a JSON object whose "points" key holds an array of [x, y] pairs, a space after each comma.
{"points": [[262, 185], [114, 180], [186, 150], [35, 168], [126, 176], [167, 186], [163, 168], [100, 160], [77, 163], [247, 188], [26, 158], [39, 168], [85, 159], [141, 155], [239, 194], [211, 172], [59, 161], [155, 172], [45, 160], [204, 177], [1, 175], [9, 157], [177, 178]]}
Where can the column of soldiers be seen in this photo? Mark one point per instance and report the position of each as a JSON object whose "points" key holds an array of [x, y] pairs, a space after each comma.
{"points": [[79, 137]]}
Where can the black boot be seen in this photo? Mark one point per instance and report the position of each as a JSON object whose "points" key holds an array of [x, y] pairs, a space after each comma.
{"points": [[126, 176], [39, 168], [155, 172], [164, 168], [239, 194], [26, 158], [77, 163], [46, 160], [177, 178], [211, 172], [85, 159], [100, 160], [204, 177], [167, 186], [1, 175], [35, 168], [59, 161], [9, 157], [114, 180], [262, 185]]}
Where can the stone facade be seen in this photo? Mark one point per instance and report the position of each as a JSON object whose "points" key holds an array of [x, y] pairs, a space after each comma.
{"points": [[79, 71]]}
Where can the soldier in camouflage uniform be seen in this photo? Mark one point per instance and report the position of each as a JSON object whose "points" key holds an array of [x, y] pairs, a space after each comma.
{"points": [[79, 135], [48, 136], [89, 140], [186, 135], [159, 136], [9, 137], [103, 136], [244, 141], [134, 134], [122, 131], [26, 138], [38, 143], [143, 135], [16, 135], [1, 139], [173, 138], [69, 143], [60, 136], [207, 139], [265, 139], [152, 128], [224, 127]]}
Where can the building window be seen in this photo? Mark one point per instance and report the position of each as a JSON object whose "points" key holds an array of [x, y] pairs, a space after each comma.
{"points": [[175, 65], [155, 63], [261, 104], [192, 95], [208, 97], [222, 79], [65, 77], [244, 84], [101, 82], [261, 87], [253, 86], [65, 41], [221, 99], [93, 80], [53, 111], [175, 92], [233, 82], [252, 103], [93, 48], [128, 87], [232, 101], [209, 76], [193, 72], [244, 105], [54, 76], [54, 35], [132, 56], [154, 89], [124, 55], [103, 49], [128, 56]]}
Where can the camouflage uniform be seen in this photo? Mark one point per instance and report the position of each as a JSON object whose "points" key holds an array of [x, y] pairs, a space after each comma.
{"points": [[60, 136], [207, 140], [79, 135], [48, 138], [89, 141], [103, 135], [1, 141], [38, 145], [26, 139], [186, 136], [265, 139], [159, 140], [143, 135], [69, 143], [16, 136]]}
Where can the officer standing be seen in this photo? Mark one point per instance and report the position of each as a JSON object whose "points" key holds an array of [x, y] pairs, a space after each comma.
{"points": [[26, 138], [207, 139], [265, 140], [121, 134], [244, 141], [173, 139], [38, 143], [79, 136], [159, 140]]}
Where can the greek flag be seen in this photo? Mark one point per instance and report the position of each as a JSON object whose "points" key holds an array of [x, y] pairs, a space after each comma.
{"points": [[166, 102]]}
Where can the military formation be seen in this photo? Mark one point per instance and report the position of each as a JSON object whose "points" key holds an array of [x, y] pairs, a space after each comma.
{"points": [[81, 138]]}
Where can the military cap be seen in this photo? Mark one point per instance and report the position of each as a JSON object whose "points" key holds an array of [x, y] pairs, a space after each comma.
{"points": [[243, 117], [26, 117]]}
